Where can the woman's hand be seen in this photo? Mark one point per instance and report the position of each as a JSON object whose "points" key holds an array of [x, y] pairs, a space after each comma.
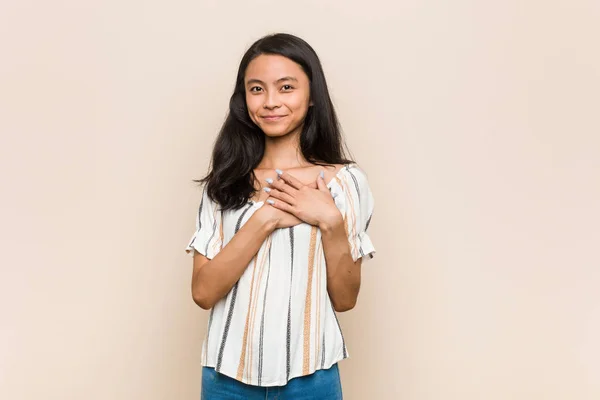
{"points": [[279, 218], [315, 206]]}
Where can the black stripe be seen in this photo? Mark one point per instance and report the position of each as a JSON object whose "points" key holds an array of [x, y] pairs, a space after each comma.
{"points": [[289, 316], [227, 325], [213, 233], [199, 218], [358, 196], [262, 324], [239, 222], [292, 252], [231, 306], [367, 227], [340, 329], [323, 353], [212, 310], [211, 236], [210, 320], [200, 209], [355, 184]]}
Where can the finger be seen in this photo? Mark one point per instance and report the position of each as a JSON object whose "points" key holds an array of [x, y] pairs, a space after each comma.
{"points": [[321, 185], [281, 196], [289, 179], [282, 187], [281, 205]]}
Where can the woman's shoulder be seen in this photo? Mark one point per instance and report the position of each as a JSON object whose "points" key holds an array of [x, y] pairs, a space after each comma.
{"points": [[349, 175], [349, 170]]}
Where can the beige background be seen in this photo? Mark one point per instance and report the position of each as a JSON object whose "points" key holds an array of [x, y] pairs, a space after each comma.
{"points": [[477, 122]]}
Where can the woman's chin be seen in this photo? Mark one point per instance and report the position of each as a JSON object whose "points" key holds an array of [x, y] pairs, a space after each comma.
{"points": [[275, 133]]}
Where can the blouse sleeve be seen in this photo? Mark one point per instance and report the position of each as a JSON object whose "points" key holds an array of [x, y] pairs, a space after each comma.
{"points": [[208, 237], [358, 212]]}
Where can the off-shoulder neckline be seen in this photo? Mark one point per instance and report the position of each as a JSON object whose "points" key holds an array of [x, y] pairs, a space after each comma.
{"points": [[329, 184]]}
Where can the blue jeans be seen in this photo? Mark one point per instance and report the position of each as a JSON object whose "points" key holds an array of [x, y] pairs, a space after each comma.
{"points": [[321, 385]]}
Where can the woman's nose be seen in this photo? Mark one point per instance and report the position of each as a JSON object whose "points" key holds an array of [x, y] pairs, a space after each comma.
{"points": [[271, 101]]}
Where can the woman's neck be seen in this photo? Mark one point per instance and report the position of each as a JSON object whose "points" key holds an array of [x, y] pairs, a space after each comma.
{"points": [[283, 153]]}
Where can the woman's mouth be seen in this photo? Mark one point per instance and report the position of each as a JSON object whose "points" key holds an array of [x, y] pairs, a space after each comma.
{"points": [[272, 118]]}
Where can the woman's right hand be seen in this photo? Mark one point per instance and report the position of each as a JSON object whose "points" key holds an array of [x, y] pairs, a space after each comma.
{"points": [[280, 218]]}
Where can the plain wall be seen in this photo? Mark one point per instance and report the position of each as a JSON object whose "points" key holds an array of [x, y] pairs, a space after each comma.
{"points": [[477, 123]]}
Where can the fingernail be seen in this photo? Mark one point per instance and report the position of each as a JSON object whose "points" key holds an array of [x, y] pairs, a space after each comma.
{"points": [[279, 172], [271, 201], [269, 180], [267, 189], [322, 174]]}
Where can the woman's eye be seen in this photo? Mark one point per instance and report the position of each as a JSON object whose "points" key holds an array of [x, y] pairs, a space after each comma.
{"points": [[287, 87], [255, 89]]}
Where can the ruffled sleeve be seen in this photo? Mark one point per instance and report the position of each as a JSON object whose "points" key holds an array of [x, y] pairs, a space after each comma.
{"points": [[355, 200], [208, 237]]}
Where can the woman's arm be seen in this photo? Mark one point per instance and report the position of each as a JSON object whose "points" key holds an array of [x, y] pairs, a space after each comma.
{"points": [[343, 273], [213, 279]]}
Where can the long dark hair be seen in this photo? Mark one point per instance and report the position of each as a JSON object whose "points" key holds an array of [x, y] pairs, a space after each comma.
{"points": [[240, 145]]}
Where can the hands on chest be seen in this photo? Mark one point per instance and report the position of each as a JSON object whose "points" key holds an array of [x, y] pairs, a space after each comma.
{"points": [[291, 201]]}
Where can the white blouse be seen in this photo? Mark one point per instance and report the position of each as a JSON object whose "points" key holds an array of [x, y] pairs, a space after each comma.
{"points": [[277, 322]]}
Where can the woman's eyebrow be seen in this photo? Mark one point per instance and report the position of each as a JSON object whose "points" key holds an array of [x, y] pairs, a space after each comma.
{"points": [[258, 81], [253, 81], [286, 78]]}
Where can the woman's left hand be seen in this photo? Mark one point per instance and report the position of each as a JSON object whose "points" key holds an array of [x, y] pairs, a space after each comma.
{"points": [[313, 206]]}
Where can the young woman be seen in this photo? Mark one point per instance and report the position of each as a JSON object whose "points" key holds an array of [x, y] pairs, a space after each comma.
{"points": [[280, 234]]}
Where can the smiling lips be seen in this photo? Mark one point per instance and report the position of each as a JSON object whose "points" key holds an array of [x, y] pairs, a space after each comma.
{"points": [[272, 118]]}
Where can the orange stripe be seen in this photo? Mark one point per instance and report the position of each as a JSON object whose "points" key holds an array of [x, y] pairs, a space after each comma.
{"points": [[206, 349], [307, 303], [242, 363], [337, 178], [245, 339], [255, 306], [221, 231], [217, 243], [318, 310], [353, 248], [344, 192]]}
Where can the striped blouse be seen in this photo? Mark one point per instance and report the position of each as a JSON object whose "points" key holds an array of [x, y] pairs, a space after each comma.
{"points": [[277, 322]]}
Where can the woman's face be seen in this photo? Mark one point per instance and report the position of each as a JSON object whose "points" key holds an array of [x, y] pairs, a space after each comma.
{"points": [[277, 94]]}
